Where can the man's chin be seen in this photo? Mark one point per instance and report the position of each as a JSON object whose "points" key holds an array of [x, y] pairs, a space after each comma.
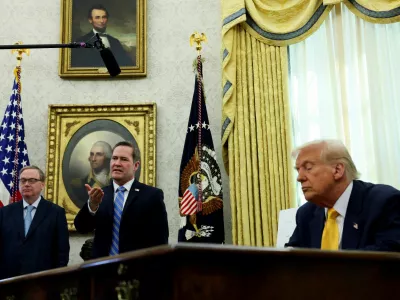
{"points": [[100, 30]]}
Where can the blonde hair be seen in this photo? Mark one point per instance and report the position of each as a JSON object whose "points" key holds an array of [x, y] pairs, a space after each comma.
{"points": [[333, 151]]}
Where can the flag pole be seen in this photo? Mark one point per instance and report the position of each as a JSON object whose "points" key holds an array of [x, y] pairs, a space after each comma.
{"points": [[17, 74], [198, 39]]}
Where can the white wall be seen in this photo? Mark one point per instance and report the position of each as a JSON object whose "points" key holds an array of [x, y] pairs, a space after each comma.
{"points": [[169, 83]]}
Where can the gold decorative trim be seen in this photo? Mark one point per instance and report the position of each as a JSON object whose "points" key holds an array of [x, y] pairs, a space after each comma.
{"points": [[72, 130]]}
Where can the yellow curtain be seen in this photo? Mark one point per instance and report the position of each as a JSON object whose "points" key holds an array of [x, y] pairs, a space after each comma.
{"points": [[376, 11], [255, 130], [259, 160]]}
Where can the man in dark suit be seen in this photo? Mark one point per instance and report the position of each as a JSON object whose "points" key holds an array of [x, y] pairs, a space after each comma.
{"points": [[98, 18], [342, 212], [33, 232], [127, 215]]}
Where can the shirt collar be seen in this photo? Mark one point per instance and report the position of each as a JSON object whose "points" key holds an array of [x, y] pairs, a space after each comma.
{"points": [[95, 31], [343, 201], [127, 185], [34, 204]]}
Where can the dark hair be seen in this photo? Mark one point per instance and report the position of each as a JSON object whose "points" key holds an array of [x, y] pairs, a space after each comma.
{"points": [[97, 6], [42, 177], [126, 144]]}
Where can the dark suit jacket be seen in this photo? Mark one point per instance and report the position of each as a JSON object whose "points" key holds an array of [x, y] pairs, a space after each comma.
{"points": [[46, 245], [144, 220], [372, 220], [91, 57]]}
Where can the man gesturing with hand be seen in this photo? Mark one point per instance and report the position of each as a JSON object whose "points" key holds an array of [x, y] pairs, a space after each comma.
{"points": [[126, 215]]}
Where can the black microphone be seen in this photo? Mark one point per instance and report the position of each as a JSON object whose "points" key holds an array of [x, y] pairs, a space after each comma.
{"points": [[110, 62], [107, 56]]}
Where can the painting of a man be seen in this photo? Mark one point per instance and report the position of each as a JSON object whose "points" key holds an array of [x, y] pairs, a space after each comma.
{"points": [[99, 174], [98, 17]]}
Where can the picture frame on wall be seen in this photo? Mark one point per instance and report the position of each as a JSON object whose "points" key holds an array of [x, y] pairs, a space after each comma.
{"points": [[121, 26], [80, 142]]}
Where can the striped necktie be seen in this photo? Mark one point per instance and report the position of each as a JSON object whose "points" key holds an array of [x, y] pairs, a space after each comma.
{"points": [[330, 236], [28, 218], [118, 208]]}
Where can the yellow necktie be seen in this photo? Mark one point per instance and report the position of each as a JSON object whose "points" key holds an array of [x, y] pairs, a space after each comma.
{"points": [[330, 236]]}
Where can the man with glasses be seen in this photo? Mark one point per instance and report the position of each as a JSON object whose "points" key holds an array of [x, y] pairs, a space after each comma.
{"points": [[33, 232], [342, 212]]}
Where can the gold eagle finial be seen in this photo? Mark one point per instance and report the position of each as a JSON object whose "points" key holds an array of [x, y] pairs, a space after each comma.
{"points": [[20, 52], [197, 38]]}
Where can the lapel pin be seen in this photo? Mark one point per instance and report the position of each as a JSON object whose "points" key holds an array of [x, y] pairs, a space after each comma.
{"points": [[355, 225], [136, 190]]}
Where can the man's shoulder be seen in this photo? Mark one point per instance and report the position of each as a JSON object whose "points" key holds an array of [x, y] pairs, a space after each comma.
{"points": [[85, 38], [11, 207], [51, 205], [371, 190], [114, 39], [149, 188]]}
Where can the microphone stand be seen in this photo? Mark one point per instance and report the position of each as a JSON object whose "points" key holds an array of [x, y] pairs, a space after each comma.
{"points": [[113, 68]]}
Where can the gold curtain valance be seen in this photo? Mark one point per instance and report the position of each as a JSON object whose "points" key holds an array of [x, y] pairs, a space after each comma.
{"points": [[375, 11]]}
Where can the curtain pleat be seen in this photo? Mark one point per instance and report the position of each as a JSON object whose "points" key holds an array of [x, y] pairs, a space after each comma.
{"points": [[259, 142]]}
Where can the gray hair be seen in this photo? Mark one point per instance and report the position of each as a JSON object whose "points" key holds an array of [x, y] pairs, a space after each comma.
{"points": [[106, 148], [333, 151], [42, 177]]}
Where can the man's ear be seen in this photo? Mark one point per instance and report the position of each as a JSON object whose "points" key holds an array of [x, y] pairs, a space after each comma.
{"points": [[339, 171], [90, 20]]}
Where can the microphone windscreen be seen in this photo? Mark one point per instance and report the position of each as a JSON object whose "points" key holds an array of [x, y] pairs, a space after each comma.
{"points": [[110, 62]]}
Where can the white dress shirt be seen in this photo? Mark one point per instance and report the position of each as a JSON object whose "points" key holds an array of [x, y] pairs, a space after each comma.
{"points": [[341, 207], [34, 204], [127, 186]]}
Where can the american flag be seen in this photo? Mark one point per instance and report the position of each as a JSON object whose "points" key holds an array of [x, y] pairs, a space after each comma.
{"points": [[189, 200], [13, 150]]}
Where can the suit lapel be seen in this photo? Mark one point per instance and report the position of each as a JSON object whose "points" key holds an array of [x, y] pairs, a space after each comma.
{"points": [[19, 218], [352, 228], [132, 196], [316, 227], [40, 214]]}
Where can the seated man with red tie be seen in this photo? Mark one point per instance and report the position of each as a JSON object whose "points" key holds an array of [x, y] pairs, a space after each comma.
{"points": [[342, 212]]}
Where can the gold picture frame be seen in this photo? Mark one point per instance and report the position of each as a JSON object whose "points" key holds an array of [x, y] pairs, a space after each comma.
{"points": [[124, 29], [73, 133]]}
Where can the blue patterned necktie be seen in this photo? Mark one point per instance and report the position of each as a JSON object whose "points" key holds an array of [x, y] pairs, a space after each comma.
{"points": [[28, 218], [118, 208]]}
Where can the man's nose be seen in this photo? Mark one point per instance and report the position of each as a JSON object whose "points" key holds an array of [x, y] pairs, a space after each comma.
{"points": [[300, 177]]}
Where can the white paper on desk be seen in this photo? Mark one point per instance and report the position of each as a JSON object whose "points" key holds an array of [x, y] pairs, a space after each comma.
{"points": [[286, 226]]}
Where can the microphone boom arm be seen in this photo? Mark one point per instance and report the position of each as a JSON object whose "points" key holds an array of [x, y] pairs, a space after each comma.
{"points": [[46, 46], [106, 54]]}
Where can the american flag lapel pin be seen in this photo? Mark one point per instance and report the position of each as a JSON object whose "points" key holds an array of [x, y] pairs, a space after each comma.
{"points": [[355, 225], [136, 190]]}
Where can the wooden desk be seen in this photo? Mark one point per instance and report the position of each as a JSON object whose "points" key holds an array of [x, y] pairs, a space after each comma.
{"points": [[207, 272]]}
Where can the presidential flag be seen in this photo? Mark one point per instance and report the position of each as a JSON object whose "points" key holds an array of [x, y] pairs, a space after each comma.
{"points": [[200, 184], [13, 150]]}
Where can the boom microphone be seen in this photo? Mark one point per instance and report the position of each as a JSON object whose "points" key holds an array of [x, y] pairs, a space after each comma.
{"points": [[110, 62]]}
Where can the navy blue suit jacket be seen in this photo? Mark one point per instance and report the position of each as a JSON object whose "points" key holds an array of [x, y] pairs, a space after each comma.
{"points": [[91, 57], [372, 220], [46, 245], [144, 220]]}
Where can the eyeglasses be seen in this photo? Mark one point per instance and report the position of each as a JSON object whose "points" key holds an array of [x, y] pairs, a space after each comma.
{"points": [[29, 180]]}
